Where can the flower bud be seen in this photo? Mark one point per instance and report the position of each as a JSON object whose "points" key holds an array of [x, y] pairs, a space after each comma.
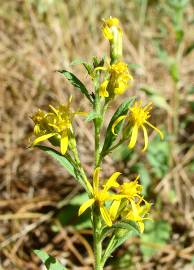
{"points": [[113, 32]]}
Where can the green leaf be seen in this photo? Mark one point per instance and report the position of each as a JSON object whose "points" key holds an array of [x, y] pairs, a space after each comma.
{"points": [[156, 235], [68, 216], [121, 232], [50, 262], [91, 116], [76, 82], [63, 160], [125, 225], [144, 176], [158, 154], [110, 137], [77, 62], [157, 99]]}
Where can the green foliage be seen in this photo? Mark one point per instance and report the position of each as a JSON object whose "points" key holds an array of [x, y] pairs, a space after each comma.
{"points": [[158, 156], [76, 82], [145, 177], [68, 216], [109, 136], [121, 232], [122, 262], [63, 160], [156, 235], [50, 262], [156, 98]]}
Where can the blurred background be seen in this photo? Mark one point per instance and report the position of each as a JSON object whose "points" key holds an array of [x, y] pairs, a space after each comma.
{"points": [[39, 200]]}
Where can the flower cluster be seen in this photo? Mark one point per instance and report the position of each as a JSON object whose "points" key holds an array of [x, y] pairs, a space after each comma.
{"points": [[137, 118], [126, 203], [55, 125], [117, 79]]}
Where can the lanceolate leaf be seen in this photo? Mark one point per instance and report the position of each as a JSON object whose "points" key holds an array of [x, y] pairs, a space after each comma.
{"points": [[122, 231], [126, 225], [50, 262], [76, 82], [110, 137], [60, 158]]}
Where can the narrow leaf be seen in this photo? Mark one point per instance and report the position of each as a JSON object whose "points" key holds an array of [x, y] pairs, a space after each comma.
{"points": [[76, 82], [60, 158], [110, 137], [50, 262]]}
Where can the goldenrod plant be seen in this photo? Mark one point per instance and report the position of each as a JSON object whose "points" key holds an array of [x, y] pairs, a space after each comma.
{"points": [[117, 206]]}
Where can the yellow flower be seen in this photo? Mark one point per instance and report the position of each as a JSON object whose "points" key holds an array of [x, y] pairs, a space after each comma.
{"points": [[128, 190], [138, 212], [113, 32], [55, 125], [131, 189], [111, 28], [118, 80], [100, 196], [137, 118]]}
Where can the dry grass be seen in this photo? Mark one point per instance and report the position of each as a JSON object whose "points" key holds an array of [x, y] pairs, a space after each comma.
{"points": [[33, 188]]}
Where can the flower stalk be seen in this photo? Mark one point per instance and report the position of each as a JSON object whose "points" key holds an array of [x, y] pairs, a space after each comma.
{"points": [[114, 204]]}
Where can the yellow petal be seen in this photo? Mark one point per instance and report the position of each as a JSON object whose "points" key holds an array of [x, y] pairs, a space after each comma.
{"points": [[64, 144], [43, 138], [105, 216], [85, 206], [156, 129], [116, 122], [53, 109], [102, 90], [107, 33], [145, 138], [96, 180], [133, 139], [111, 182], [114, 209]]}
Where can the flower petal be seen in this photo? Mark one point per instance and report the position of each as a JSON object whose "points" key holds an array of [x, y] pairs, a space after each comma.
{"points": [[156, 129], [43, 138], [134, 134], [85, 206], [102, 90], [105, 216], [116, 122], [145, 138], [64, 144], [114, 209], [96, 180], [111, 182]]}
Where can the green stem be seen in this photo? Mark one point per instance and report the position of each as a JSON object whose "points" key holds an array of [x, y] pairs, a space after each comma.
{"points": [[97, 236], [78, 163]]}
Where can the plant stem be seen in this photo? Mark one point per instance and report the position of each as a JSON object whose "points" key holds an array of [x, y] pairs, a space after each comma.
{"points": [[97, 240]]}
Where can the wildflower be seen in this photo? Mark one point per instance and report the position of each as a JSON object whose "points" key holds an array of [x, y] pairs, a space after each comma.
{"points": [[137, 118], [113, 32], [100, 196], [118, 80], [138, 213], [55, 125], [128, 190]]}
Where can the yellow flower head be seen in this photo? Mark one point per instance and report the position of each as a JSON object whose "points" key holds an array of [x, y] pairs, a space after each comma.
{"points": [[113, 32], [100, 196], [131, 189], [137, 118], [111, 28], [138, 213], [55, 125], [118, 80]]}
